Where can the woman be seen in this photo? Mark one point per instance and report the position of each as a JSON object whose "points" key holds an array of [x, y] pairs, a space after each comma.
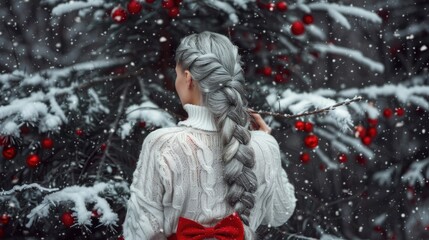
{"points": [[210, 172]]}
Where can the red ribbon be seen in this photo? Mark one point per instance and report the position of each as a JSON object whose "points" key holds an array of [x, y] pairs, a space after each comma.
{"points": [[229, 228]]}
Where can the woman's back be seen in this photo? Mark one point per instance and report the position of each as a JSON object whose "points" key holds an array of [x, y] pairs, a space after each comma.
{"points": [[187, 180]]}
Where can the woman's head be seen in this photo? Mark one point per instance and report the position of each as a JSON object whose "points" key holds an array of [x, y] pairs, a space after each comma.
{"points": [[212, 62]]}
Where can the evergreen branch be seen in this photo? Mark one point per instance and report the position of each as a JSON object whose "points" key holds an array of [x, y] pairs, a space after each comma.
{"points": [[26, 186]]}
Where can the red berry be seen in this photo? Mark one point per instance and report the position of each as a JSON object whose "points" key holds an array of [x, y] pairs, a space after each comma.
{"points": [[279, 78], [95, 214], [366, 140], [281, 6], [372, 132], [361, 159], [308, 19], [168, 3], [134, 7], [9, 152], [311, 141], [342, 158], [47, 143], [121, 238], [103, 147], [387, 113], [267, 71], [67, 219], [399, 112], [33, 160], [299, 125], [373, 121], [173, 12], [142, 124], [79, 132], [305, 158], [308, 127], [119, 14], [297, 28], [5, 218], [360, 131]]}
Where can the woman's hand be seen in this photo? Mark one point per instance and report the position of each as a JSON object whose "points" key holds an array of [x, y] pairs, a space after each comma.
{"points": [[258, 123]]}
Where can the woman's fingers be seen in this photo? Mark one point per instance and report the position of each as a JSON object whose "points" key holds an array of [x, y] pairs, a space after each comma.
{"points": [[259, 123]]}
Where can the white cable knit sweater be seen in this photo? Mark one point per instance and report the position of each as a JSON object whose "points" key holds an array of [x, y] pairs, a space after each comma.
{"points": [[180, 173]]}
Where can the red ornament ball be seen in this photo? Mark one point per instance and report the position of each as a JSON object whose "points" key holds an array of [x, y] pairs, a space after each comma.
{"points": [[67, 219], [119, 14], [5, 218], [9, 152], [299, 125], [281, 6], [342, 158], [367, 140], [311, 141], [308, 19], [308, 127], [33, 160], [47, 143], [399, 112], [134, 7], [267, 71], [305, 158], [387, 112], [173, 12], [297, 28], [372, 132]]}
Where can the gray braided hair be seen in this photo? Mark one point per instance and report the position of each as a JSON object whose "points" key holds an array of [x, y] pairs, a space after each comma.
{"points": [[214, 63]]}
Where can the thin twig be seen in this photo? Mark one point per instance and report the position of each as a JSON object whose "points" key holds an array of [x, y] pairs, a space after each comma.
{"points": [[326, 109]]}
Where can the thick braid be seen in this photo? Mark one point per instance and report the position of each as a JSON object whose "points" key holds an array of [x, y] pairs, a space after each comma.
{"points": [[215, 64]]}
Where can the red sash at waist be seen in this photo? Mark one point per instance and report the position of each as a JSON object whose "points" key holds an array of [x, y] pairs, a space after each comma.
{"points": [[229, 228]]}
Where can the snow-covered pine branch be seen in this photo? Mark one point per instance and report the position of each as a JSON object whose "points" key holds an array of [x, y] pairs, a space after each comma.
{"points": [[27, 186], [404, 94], [147, 112], [384, 177], [302, 102], [80, 196], [415, 173], [350, 53]]}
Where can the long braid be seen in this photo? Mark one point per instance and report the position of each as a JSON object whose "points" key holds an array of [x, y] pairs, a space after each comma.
{"points": [[215, 64]]}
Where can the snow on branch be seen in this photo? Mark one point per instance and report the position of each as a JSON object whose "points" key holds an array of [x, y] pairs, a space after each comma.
{"points": [[27, 186], [80, 196], [302, 102], [384, 177], [148, 112], [401, 92], [415, 173], [336, 10], [350, 53], [75, 5]]}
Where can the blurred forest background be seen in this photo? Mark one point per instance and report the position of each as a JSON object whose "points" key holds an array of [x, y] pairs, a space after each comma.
{"points": [[83, 82]]}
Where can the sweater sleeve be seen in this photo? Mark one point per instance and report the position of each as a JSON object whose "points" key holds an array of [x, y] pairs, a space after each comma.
{"points": [[145, 215], [281, 205]]}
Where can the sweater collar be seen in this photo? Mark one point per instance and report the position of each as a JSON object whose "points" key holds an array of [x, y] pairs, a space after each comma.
{"points": [[199, 117]]}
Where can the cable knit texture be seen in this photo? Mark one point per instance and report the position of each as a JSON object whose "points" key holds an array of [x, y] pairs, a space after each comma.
{"points": [[179, 173]]}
